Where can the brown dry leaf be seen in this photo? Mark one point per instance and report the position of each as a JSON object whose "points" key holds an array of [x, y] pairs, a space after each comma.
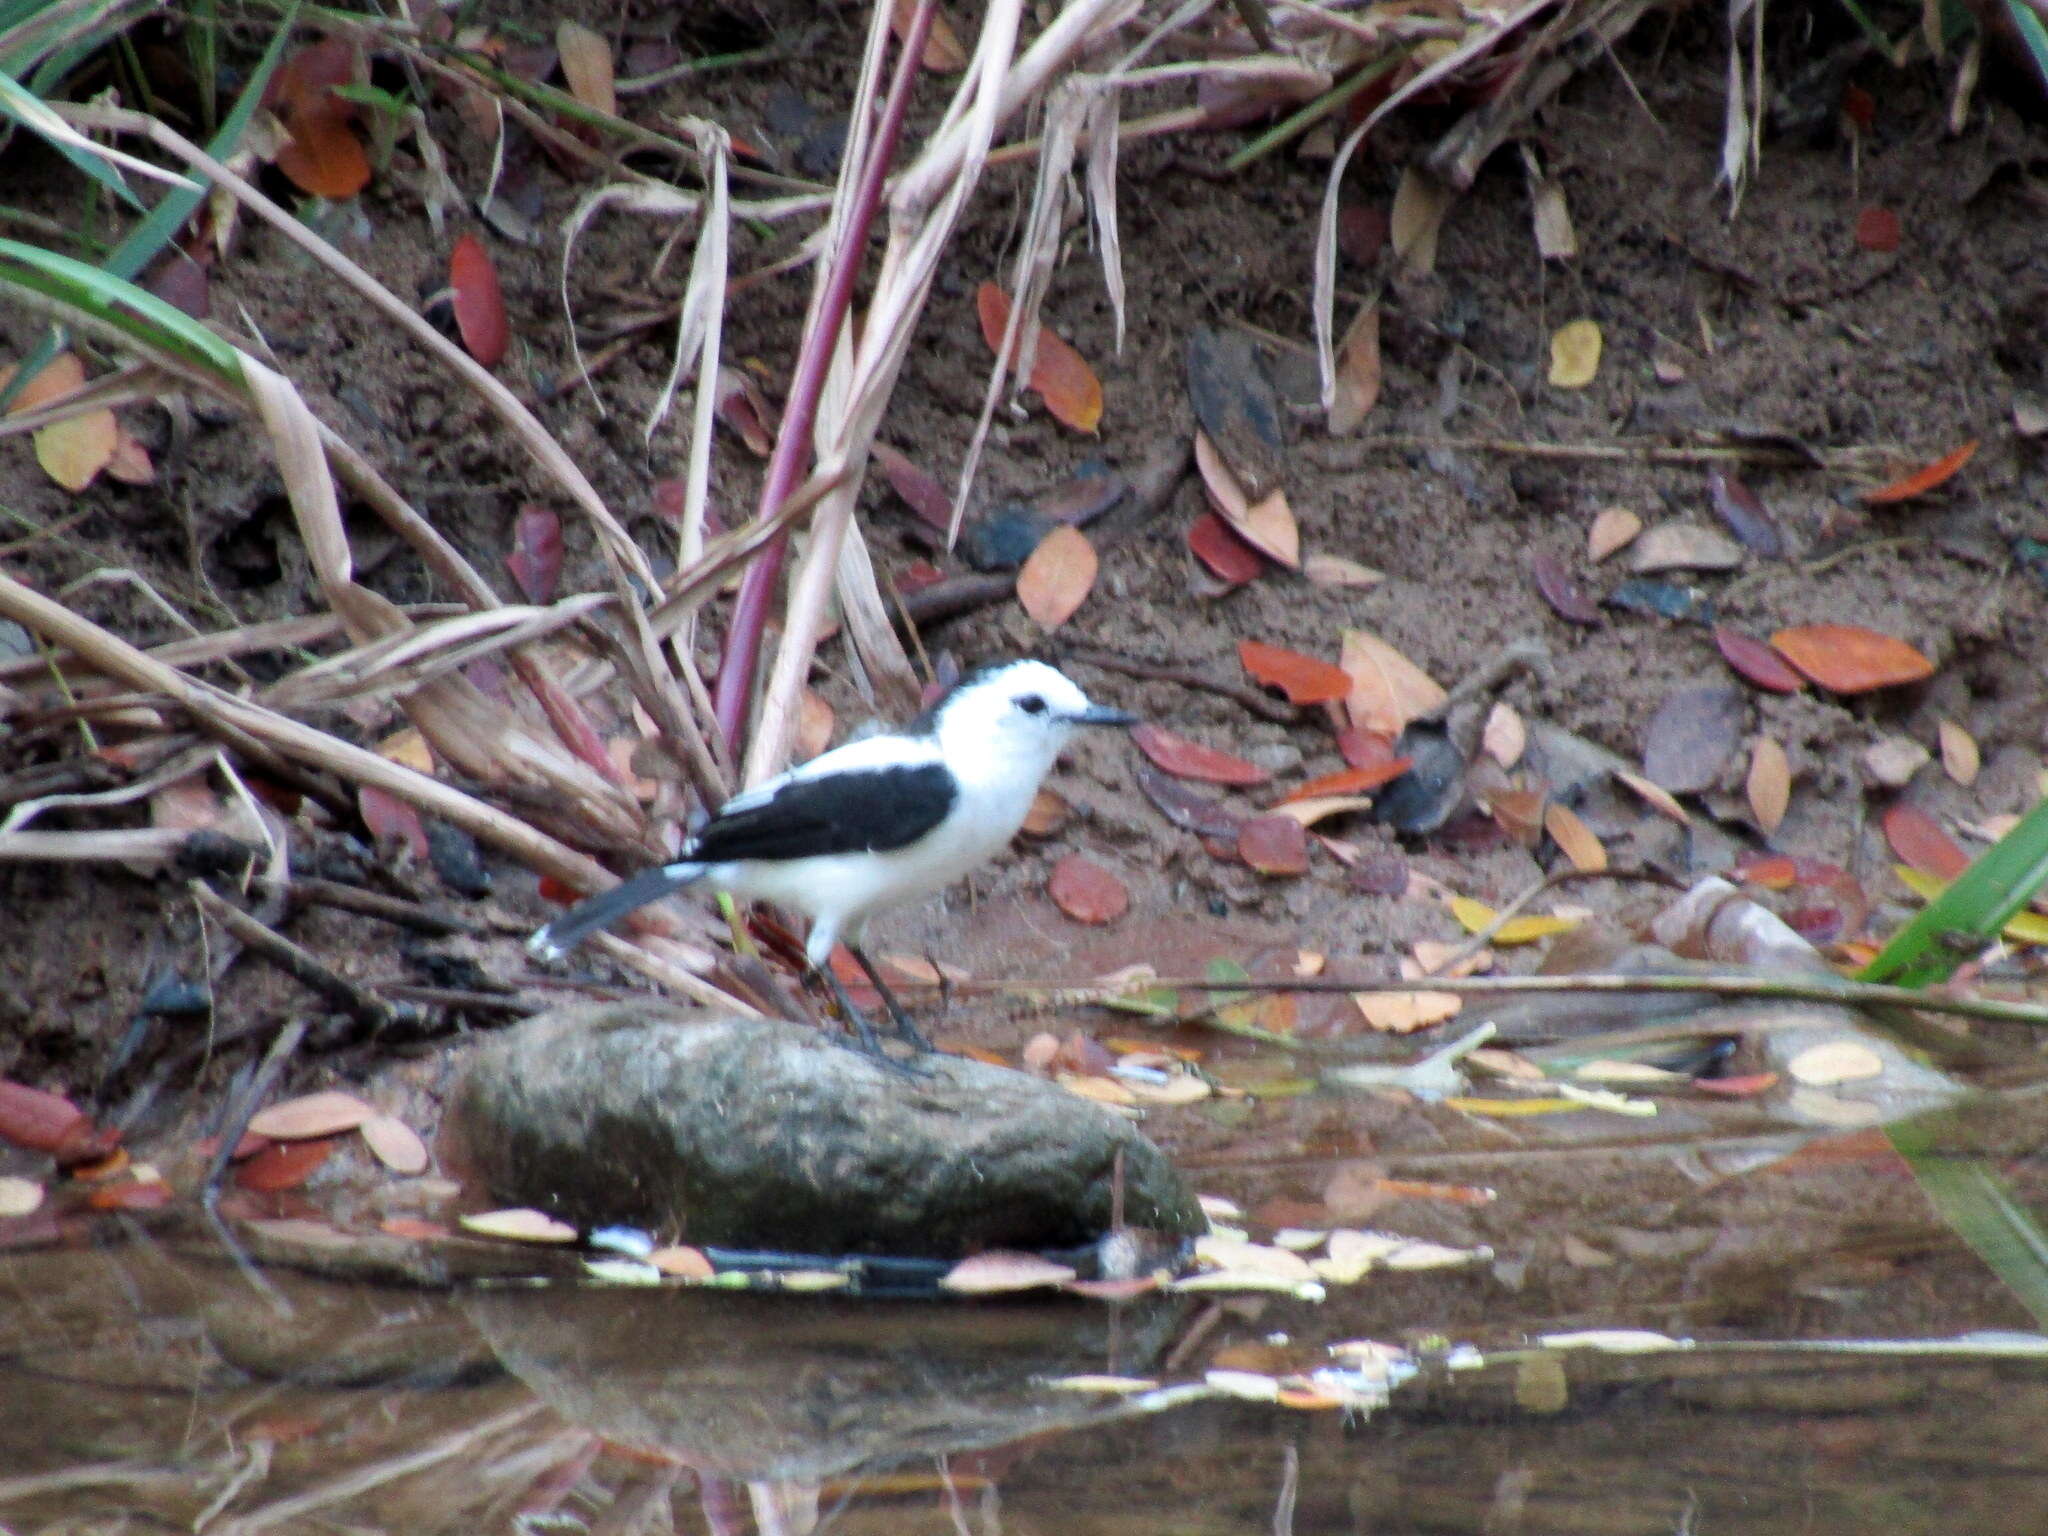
{"points": [[1336, 571], [1504, 737], [1056, 580], [942, 54], [1575, 839], [1434, 957], [1270, 528], [997, 1273], [1388, 691], [815, 723], [1358, 373], [1274, 845], [1575, 354], [587, 66], [1658, 797], [1613, 528], [1420, 203], [1402, 1013], [1959, 754], [1770, 783], [1226, 491], [1310, 809], [311, 1115], [394, 1144]]}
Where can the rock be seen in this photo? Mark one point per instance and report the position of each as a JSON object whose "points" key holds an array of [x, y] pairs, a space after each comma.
{"points": [[766, 1135]]}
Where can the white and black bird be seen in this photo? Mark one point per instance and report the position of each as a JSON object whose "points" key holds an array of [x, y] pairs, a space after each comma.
{"points": [[872, 824]]}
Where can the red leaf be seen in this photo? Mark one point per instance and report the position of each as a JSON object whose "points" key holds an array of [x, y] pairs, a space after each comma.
{"points": [[560, 892], [1191, 760], [1877, 229], [1737, 1087], [284, 1165], [1365, 749], [1351, 781], [1218, 546], [479, 302], [1564, 595], [1274, 845], [536, 558], [1087, 892], [1304, 679], [1847, 658], [1745, 514], [1922, 480], [1920, 843], [1756, 662], [36, 1119], [1184, 808], [131, 1195], [920, 492], [1061, 376], [391, 820]]}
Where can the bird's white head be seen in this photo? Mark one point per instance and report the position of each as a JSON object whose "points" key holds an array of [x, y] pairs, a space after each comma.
{"points": [[1019, 714]]}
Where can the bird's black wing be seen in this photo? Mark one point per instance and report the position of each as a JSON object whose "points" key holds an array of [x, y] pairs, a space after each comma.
{"points": [[865, 810]]}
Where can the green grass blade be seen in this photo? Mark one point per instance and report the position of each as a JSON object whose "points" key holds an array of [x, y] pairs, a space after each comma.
{"points": [[1973, 1200], [139, 316], [2001, 881], [2033, 32], [27, 110]]}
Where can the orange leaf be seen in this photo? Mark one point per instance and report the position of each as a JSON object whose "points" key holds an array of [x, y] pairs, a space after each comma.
{"points": [[1921, 844], [1223, 550], [1847, 658], [1059, 374], [130, 463], [1055, 580], [73, 451], [1922, 480], [283, 1165], [1191, 760], [479, 302], [1304, 679], [324, 156], [1770, 783], [1087, 892], [1267, 525], [1388, 691], [1575, 838], [942, 54], [1273, 845], [1350, 781]]}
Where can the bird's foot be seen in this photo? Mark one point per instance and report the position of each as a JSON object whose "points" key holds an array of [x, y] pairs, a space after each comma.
{"points": [[863, 1038], [906, 1027]]}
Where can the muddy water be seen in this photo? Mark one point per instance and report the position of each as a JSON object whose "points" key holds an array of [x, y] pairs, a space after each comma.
{"points": [[152, 1379]]}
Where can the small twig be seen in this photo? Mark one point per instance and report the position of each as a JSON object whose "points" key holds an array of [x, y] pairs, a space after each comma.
{"points": [[1187, 677], [1253, 14], [364, 1006], [391, 909], [465, 998], [237, 1123], [1356, 453], [949, 599]]}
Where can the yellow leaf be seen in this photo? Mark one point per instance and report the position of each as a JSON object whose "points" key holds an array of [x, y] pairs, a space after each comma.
{"points": [[2021, 927], [1420, 203], [71, 452], [1477, 916], [1514, 1108], [1575, 354]]}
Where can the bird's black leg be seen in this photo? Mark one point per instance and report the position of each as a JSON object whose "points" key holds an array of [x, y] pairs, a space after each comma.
{"points": [[866, 1031], [906, 1027]]}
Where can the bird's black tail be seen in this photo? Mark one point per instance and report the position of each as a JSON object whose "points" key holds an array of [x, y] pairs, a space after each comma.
{"points": [[606, 908]]}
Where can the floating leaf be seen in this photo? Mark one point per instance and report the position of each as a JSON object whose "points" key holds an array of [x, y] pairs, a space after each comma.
{"points": [[1920, 841], [536, 558], [1684, 547], [1055, 581], [1477, 917], [1304, 679], [1388, 691], [587, 66], [1273, 845], [1769, 785], [478, 301], [1846, 658], [283, 1165], [1191, 760], [1922, 480], [1959, 754], [1576, 840], [1658, 797], [1217, 545], [1059, 374], [1357, 385], [1564, 595], [1613, 528], [1877, 229], [1575, 354], [1336, 571], [311, 1115], [1756, 662], [1087, 892], [1504, 737], [1745, 514], [394, 1144], [520, 1225], [998, 1273]]}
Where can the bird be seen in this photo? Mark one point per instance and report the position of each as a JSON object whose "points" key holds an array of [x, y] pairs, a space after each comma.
{"points": [[873, 824]]}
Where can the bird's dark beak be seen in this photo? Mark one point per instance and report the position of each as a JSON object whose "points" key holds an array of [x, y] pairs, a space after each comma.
{"points": [[1102, 714]]}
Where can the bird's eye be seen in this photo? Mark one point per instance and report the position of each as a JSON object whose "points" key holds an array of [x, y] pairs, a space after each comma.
{"points": [[1031, 704]]}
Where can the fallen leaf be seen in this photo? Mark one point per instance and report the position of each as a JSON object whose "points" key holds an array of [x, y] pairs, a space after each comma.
{"points": [[131, 1195], [19, 1196], [1402, 1013], [1922, 480], [391, 821], [1658, 797], [1370, 749], [1350, 781], [998, 1273], [1566, 597], [1273, 845], [1504, 737], [1184, 808], [1357, 385], [1959, 754], [1388, 691], [324, 157], [536, 558], [130, 463], [520, 1225], [1552, 220], [815, 724], [1893, 760], [394, 1144], [1770, 783], [1846, 658], [1756, 662], [1877, 229], [942, 54], [478, 301], [1692, 734], [73, 451], [1100, 1089], [1477, 917], [1307, 813], [1745, 514], [37, 1119], [1518, 812], [1087, 892], [1219, 547], [1575, 354], [587, 66], [1047, 815], [1836, 1061], [683, 1262], [1576, 840], [1921, 843], [1336, 571], [1191, 760], [742, 408], [1417, 219], [2021, 928], [1304, 679], [920, 491], [1059, 374], [1684, 547], [311, 1115], [1055, 581], [1267, 525], [1613, 528], [283, 1165]]}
